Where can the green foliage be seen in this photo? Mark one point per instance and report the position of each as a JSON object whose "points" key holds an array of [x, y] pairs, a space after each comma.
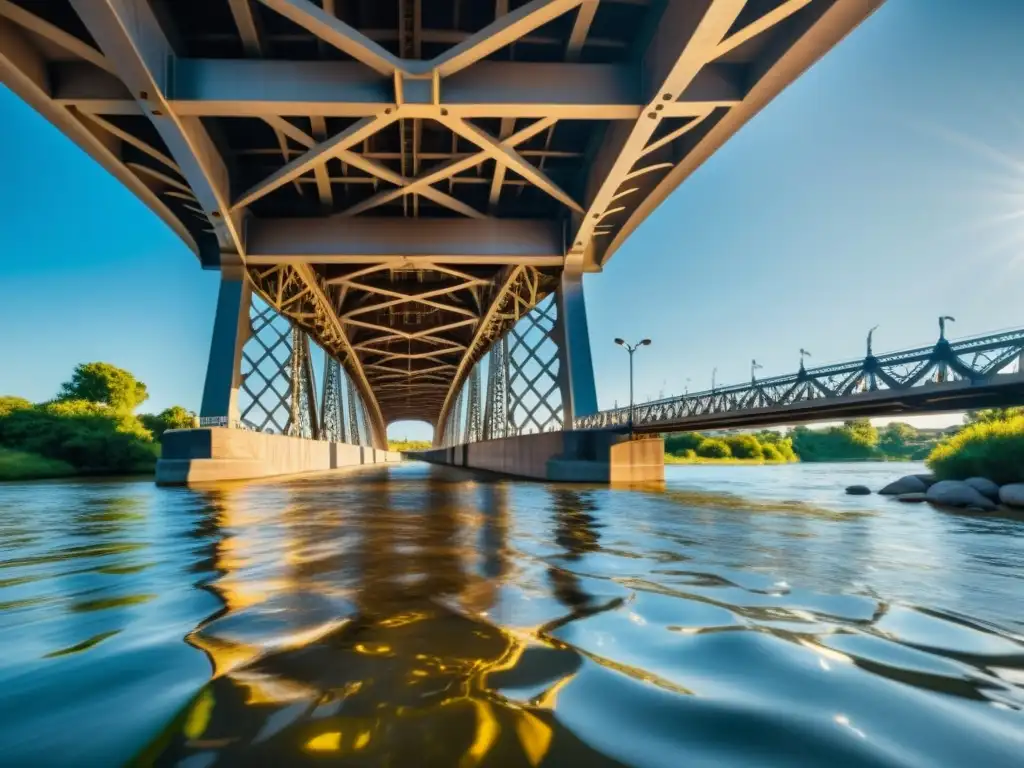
{"points": [[988, 415], [105, 383], [9, 403], [175, 417], [710, 448], [678, 444], [18, 465], [744, 446], [770, 453], [409, 445], [850, 442], [992, 449]]}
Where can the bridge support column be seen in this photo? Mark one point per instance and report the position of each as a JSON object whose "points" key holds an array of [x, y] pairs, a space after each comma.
{"points": [[230, 332], [576, 368]]}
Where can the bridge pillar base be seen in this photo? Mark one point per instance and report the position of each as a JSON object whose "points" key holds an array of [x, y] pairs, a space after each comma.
{"points": [[603, 457], [213, 454]]}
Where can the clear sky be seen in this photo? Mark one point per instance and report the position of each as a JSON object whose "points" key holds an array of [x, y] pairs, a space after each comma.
{"points": [[886, 186]]}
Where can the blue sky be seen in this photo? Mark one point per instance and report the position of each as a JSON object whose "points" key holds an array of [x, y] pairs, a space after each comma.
{"points": [[886, 186]]}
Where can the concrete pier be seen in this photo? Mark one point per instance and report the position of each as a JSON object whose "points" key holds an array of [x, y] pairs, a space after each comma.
{"points": [[211, 454], [596, 456]]}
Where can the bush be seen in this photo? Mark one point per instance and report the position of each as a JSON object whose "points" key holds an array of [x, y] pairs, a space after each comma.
{"points": [[682, 442], [770, 453], [175, 417], [10, 403], [992, 449], [710, 448], [18, 465], [745, 446], [104, 383]]}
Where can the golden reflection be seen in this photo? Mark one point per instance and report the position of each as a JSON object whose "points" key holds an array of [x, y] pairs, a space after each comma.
{"points": [[371, 637]]}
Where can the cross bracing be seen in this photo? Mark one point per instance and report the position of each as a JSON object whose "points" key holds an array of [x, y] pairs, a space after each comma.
{"points": [[310, 139]]}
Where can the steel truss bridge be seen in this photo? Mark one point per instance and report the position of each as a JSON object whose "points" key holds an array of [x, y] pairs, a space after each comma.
{"points": [[404, 180], [981, 372]]}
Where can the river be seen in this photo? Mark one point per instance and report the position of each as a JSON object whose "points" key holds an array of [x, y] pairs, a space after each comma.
{"points": [[422, 616]]}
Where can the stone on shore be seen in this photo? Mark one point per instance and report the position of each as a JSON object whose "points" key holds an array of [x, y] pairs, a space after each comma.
{"points": [[1012, 495], [858, 490], [907, 484], [984, 486], [928, 479], [911, 498], [954, 493]]}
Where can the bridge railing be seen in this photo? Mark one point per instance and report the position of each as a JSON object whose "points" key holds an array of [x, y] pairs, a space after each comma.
{"points": [[976, 360]]}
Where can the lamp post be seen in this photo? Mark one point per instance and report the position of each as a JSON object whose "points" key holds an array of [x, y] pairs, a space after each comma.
{"points": [[714, 372], [631, 348]]}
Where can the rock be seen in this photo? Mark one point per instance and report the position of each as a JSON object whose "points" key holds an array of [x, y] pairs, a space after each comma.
{"points": [[954, 493], [984, 486], [907, 484], [1012, 495], [929, 480], [911, 498], [858, 490]]}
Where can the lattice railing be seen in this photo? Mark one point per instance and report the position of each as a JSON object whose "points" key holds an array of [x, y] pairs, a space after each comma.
{"points": [[976, 360]]}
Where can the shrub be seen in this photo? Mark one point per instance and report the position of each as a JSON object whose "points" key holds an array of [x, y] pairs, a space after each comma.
{"points": [[710, 448], [771, 453], [104, 383], [745, 446], [175, 417], [992, 449], [10, 403], [682, 442]]}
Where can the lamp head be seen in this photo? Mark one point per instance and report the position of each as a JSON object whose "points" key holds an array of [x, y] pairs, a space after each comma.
{"points": [[645, 342], [620, 342]]}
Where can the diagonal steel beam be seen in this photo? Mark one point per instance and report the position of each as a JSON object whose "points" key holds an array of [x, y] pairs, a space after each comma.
{"points": [[768, 20], [445, 171], [248, 26], [24, 71], [317, 155], [373, 168], [334, 31], [502, 31], [580, 28], [55, 35], [132, 39]]}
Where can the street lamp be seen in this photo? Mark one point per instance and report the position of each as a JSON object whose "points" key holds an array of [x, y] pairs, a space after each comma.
{"points": [[631, 348], [714, 371]]}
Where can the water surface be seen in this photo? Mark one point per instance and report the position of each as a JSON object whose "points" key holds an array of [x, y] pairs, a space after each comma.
{"points": [[418, 616]]}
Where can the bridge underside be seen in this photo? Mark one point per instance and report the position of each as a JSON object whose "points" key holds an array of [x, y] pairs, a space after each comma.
{"points": [[403, 179]]}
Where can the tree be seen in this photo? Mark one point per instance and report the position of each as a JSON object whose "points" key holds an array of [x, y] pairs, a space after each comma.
{"points": [[992, 449], [710, 448], [10, 403], [175, 417], [105, 383], [898, 439], [680, 443], [745, 446], [988, 415]]}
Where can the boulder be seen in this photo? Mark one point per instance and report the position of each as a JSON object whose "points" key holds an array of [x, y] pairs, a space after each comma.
{"points": [[985, 487], [911, 498], [954, 493], [1012, 495], [907, 484], [929, 480], [858, 490]]}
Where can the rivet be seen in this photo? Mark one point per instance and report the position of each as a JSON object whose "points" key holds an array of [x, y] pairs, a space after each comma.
{"points": [[143, 95], [387, 111], [597, 215], [157, 113], [659, 107], [444, 112], [667, 97], [578, 242], [215, 214], [652, 115]]}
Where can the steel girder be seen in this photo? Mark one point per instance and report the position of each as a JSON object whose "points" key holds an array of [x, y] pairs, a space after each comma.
{"points": [[872, 385], [539, 138]]}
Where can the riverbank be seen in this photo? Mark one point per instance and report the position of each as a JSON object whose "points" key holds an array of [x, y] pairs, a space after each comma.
{"points": [[731, 461], [21, 465]]}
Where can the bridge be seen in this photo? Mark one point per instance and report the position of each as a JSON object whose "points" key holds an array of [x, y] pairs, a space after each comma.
{"points": [[405, 183]]}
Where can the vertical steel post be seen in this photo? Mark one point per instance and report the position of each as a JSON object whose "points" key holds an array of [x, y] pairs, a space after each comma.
{"points": [[576, 367], [231, 329]]}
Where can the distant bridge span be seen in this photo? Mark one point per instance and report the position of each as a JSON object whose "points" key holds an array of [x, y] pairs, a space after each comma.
{"points": [[980, 372]]}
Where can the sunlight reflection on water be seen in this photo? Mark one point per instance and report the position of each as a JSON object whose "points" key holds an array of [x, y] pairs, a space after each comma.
{"points": [[410, 615]]}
